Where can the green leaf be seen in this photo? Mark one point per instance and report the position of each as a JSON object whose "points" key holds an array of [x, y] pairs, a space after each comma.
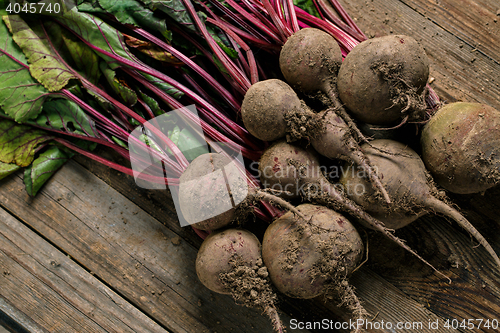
{"points": [[96, 32], [89, 6], [7, 169], [151, 50], [176, 10], [45, 64], [18, 142], [190, 145], [119, 142], [127, 95], [222, 41], [308, 6], [85, 59], [164, 86], [43, 167], [62, 114], [152, 103], [134, 13], [21, 96]]}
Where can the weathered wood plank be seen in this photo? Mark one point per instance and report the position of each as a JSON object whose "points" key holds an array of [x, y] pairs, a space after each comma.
{"points": [[389, 309], [139, 257], [475, 22], [54, 292], [157, 203], [459, 73], [475, 288], [15, 320]]}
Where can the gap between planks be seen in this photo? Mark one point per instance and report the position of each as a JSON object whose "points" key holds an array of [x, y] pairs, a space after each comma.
{"points": [[56, 293]]}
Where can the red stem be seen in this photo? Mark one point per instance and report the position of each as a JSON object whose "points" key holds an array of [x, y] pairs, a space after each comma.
{"points": [[118, 167], [332, 17], [345, 40], [234, 72], [232, 102], [284, 32], [211, 132], [293, 16], [345, 16], [265, 28], [254, 75]]}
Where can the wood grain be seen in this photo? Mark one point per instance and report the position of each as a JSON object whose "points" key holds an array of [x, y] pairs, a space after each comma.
{"points": [[138, 257], [475, 288], [475, 22], [55, 293], [17, 321]]}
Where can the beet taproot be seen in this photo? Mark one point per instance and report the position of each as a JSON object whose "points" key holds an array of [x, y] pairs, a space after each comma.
{"points": [[310, 61], [271, 109], [296, 170], [410, 186], [230, 262]]}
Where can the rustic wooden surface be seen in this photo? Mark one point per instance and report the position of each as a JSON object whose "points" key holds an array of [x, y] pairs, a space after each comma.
{"points": [[95, 253]]}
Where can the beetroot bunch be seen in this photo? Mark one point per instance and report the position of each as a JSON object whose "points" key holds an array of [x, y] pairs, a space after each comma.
{"points": [[311, 119]]}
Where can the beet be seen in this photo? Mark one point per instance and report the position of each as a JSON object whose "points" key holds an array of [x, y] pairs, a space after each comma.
{"points": [[272, 109], [306, 260], [310, 61], [410, 186], [230, 262], [284, 166], [213, 193], [461, 147], [382, 80], [264, 108], [303, 258]]}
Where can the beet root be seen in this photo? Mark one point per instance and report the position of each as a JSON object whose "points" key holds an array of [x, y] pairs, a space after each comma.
{"points": [[203, 192], [306, 260], [382, 80], [410, 186], [230, 262], [264, 108], [461, 147], [284, 166], [213, 193], [272, 109], [310, 59], [336, 142]]}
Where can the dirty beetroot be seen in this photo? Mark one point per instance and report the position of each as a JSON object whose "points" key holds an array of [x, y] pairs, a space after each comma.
{"points": [[313, 257], [230, 262]]}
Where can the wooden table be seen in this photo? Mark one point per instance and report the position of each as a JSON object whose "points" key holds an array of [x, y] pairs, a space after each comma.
{"points": [[95, 253]]}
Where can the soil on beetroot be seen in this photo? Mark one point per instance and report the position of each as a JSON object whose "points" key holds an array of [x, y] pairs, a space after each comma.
{"points": [[249, 285]]}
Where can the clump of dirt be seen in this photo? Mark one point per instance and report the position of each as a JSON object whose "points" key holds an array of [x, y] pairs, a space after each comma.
{"points": [[302, 123], [251, 287], [404, 95]]}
